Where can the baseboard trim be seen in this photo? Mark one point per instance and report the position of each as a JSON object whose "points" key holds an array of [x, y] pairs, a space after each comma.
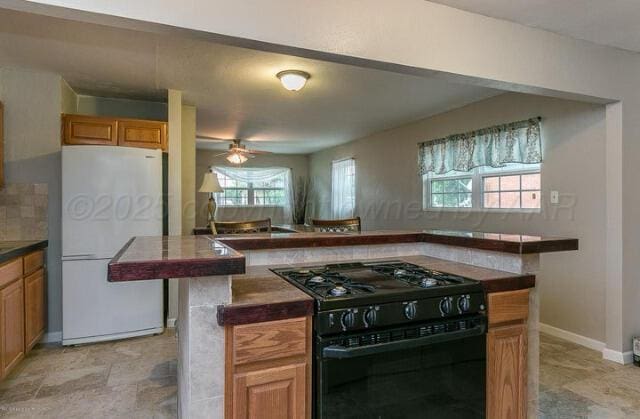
{"points": [[617, 356], [596, 345], [171, 323], [51, 337]]}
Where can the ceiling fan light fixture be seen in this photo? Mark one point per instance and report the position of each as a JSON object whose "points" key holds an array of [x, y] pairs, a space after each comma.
{"points": [[236, 158], [293, 80]]}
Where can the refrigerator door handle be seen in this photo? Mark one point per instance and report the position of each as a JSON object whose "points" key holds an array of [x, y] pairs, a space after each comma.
{"points": [[79, 256]]}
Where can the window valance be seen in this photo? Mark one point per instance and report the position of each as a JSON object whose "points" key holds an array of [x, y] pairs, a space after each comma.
{"points": [[516, 142]]}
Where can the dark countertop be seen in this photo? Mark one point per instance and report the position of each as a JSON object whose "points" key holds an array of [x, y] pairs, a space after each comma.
{"points": [[174, 257], [260, 295], [13, 249], [201, 255]]}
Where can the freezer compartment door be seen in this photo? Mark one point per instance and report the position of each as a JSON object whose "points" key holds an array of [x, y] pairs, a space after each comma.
{"points": [[109, 194], [95, 309]]}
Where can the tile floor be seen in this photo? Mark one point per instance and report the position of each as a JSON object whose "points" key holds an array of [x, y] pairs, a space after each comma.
{"points": [[133, 378], [576, 382], [137, 379]]}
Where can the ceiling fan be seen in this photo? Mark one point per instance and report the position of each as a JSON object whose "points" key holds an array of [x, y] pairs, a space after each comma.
{"points": [[238, 153]]}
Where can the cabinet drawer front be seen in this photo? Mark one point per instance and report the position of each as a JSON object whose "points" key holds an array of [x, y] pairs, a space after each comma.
{"points": [[10, 271], [508, 306], [33, 261], [269, 340]]}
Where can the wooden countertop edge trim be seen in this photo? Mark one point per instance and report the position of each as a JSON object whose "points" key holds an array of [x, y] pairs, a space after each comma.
{"points": [[185, 268], [511, 283], [231, 315], [333, 240]]}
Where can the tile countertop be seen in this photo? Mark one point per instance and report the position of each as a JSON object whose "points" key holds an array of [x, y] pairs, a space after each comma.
{"points": [[174, 257], [201, 255], [13, 249], [260, 295]]}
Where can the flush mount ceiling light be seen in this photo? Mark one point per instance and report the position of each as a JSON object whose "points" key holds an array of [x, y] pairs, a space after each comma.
{"points": [[293, 80]]}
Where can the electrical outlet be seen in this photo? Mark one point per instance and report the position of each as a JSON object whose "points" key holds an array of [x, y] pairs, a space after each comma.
{"points": [[555, 199]]}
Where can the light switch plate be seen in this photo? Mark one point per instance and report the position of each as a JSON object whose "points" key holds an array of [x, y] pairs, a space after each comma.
{"points": [[554, 197]]}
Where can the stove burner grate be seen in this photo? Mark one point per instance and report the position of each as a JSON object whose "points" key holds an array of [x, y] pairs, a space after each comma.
{"points": [[329, 283]]}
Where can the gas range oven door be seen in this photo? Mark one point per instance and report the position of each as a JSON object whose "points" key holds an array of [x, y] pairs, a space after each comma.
{"points": [[431, 370]]}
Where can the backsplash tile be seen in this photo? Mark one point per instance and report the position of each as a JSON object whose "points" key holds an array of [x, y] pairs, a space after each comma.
{"points": [[23, 211]]}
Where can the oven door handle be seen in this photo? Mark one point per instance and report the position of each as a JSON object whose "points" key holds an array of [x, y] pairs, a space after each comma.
{"points": [[341, 352]]}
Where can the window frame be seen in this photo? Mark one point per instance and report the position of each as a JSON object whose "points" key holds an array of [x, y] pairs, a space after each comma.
{"points": [[250, 196], [477, 175], [352, 160]]}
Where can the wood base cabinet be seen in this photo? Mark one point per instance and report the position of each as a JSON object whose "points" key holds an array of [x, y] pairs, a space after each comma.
{"points": [[34, 308], [507, 355], [22, 308], [12, 324], [268, 370]]}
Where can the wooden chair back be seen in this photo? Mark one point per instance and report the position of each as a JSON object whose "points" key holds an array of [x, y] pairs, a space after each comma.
{"points": [[337, 226], [243, 227]]}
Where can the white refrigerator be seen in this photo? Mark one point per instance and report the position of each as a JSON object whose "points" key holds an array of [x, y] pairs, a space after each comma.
{"points": [[109, 195]]}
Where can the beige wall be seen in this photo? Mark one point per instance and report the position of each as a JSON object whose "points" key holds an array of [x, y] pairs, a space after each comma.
{"points": [[33, 102], [123, 108], [188, 168], [389, 194], [207, 158]]}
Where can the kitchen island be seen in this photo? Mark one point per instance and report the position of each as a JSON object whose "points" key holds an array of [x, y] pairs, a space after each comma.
{"points": [[228, 299]]}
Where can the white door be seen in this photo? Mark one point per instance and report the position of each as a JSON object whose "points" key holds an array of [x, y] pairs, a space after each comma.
{"points": [[94, 309], [109, 194]]}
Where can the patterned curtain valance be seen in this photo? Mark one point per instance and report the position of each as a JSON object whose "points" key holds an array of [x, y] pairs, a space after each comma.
{"points": [[516, 142]]}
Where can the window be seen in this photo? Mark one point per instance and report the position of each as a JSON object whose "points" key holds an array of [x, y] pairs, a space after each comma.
{"points": [[511, 191], [516, 186], [271, 192], [343, 188]]}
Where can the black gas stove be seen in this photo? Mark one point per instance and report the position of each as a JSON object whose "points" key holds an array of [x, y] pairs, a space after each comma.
{"points": [[352, 296], [395, 325]]}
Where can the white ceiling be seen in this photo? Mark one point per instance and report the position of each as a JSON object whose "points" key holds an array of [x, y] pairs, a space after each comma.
{"points": [[605, 22], [234, 89]]}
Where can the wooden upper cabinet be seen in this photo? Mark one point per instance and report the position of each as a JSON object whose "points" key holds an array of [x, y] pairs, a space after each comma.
{"points": [[89, 130], [11, 325], [144, 134], [96, 130]]}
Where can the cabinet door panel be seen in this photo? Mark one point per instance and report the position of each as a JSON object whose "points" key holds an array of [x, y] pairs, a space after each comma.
{"points": [[90, 130], [506, 372], [145, 134], [274, 393], [34, 289], [12, 322]]}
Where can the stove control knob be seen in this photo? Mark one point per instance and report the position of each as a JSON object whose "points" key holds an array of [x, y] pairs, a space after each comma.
{"points": [[446, 306], [410, 310], [370, 317], [464, 303], [348, 320]]}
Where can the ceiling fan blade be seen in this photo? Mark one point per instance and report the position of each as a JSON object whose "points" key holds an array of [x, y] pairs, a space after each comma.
{"points": [[212, 139], [257, 151], [221, 154]]}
